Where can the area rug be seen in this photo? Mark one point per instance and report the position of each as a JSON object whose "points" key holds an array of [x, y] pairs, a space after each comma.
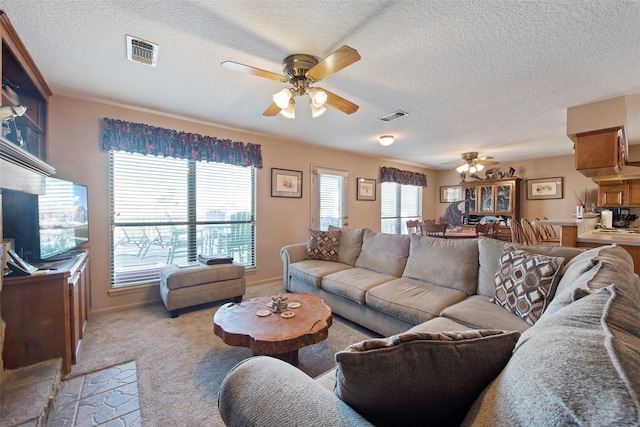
{"points": [[181, 363]]}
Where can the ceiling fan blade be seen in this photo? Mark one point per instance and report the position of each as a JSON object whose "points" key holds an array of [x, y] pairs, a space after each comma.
{"points": [[486, 162], [333, 63], [235, 66], [340, 103], [272, 110]]}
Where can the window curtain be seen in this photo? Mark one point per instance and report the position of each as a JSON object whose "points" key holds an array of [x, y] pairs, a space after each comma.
{"points": [[144, 139], [402, 177]]}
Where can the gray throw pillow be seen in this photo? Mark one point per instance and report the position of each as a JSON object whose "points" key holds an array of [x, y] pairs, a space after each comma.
{"points": [[350, 244], [421, 378]]}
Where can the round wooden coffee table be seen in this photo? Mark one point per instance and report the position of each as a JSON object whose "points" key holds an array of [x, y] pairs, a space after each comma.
{"points": [[239, 325]]}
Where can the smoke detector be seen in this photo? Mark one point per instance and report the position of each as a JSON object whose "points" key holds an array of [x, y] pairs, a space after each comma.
{"points": [[142, 51]]}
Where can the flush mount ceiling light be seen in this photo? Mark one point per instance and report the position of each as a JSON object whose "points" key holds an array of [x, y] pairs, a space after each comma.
{"points": [[472, 163], [386, 140]]}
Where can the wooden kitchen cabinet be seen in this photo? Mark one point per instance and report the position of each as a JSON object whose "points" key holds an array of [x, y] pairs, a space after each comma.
{"points": [[600, 153], [45, 314], [494, 197], [625, 192]]}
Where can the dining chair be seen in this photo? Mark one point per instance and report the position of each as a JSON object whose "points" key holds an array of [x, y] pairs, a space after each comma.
{"points": [[534, 234], [433, 229], [413, 226], [517, 233]]}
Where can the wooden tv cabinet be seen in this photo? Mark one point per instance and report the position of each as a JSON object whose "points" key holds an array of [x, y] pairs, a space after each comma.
{"points": [[45, 314]]}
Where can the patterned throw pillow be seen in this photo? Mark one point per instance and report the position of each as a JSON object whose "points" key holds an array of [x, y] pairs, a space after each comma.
{"points": [[525, 282], [323, 245]]}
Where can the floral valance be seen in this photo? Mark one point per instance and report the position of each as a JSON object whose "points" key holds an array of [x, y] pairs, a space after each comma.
{"points": [[402, 177], [144, 139]]}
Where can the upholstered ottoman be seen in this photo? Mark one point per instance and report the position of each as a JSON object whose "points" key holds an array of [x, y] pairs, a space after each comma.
{"points": [[182, 287]]}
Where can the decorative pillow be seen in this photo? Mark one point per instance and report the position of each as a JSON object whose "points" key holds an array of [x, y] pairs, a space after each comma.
{"points": [[350, 244], [323, 245], [427, 378], [525, 283]]}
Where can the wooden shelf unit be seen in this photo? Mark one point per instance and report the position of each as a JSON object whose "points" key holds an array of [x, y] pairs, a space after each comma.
{"points": [[19, 68]]}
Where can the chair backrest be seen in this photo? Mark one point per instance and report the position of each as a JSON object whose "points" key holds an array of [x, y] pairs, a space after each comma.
{"points": [[483, 229], [517, 233], [413, 226], [530, 231], [434, 230]]}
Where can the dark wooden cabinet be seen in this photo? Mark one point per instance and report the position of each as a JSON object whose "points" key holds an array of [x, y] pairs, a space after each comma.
{"points": [[45, 314], [492, 197], [23, 84]]}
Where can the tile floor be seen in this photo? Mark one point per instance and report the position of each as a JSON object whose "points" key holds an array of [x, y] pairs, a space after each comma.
{"points": [[104, 398]]}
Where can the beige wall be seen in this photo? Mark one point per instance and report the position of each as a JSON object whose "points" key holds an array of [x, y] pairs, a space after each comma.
{"points": [[74, 150], [539, 168]]}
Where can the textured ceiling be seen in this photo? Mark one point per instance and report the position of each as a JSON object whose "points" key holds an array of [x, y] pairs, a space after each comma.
{"points": [[488, 76]]}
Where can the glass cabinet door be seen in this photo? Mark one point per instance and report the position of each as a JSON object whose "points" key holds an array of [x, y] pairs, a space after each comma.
{"points": [[470, 200], [486, 199], [504, 199]]}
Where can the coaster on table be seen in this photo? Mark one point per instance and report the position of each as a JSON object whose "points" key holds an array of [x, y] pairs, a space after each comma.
{"points": [[287, 314], [294, 304], [263, 313]]}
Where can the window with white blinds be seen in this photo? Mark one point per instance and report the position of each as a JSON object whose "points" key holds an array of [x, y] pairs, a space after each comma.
{"points": [[169, 211], [330, 198], [399, 204]]}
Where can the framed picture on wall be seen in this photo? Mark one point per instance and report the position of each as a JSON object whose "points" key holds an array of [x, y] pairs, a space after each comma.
{"points": [[544, 188], [366, 189], [286, 183], [450, 193]]}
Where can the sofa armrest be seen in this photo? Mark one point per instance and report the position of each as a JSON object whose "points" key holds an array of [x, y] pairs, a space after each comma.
{"points": [[290, 254], [262, 391]]}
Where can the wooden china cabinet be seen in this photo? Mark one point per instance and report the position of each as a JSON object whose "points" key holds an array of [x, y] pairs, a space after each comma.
{"points": [[492, 197]]}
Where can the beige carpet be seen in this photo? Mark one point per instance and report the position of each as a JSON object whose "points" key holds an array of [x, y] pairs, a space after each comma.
{"points": [[181, 363]]}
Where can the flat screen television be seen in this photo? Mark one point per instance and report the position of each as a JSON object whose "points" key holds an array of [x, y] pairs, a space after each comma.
{"points": [[63, 218]]}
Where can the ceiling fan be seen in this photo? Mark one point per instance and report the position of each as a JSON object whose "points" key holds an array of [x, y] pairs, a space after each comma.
{"points": [[473, 163], [301, 71]]}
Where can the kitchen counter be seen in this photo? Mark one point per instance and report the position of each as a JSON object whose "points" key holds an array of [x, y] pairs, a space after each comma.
{"points": [[582, 233]]}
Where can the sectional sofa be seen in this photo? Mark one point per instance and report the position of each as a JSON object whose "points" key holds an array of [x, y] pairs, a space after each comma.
{"points": [[475, 332]]}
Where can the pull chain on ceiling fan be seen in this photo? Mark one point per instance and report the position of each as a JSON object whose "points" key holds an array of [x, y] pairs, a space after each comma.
{"points": [[301, 71], [474, 164]]}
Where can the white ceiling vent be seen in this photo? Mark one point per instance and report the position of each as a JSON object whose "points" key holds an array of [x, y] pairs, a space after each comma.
{"points": [[142, 51], [393, 116]]}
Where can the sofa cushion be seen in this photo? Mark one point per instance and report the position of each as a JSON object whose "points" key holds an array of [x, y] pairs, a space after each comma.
{"points": [[420, 378], [478, 312], [312, 271], [350, 244], [444, 262], [489, 259], [384, 253], [353, 283], [323, 245], [525, 283], [412, 300], [577, 366]]}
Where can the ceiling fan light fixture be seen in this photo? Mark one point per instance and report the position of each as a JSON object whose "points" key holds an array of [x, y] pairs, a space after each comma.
{"points": [[479, 167], [282, 98], [290, 111], [317, 97], [386, 140], [463, 168], [317, 111]]}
